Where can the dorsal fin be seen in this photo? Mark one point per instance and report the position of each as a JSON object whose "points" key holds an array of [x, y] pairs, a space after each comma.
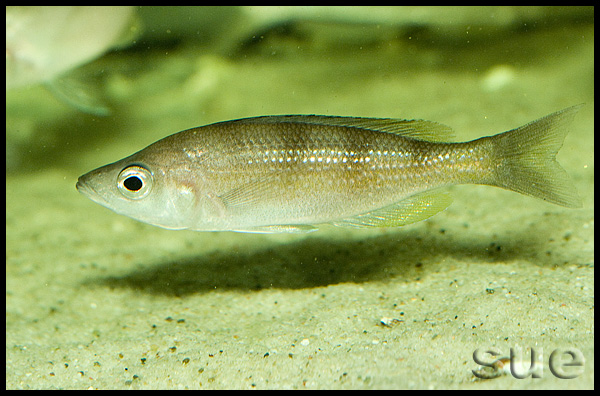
{"points": [[415, 129]]}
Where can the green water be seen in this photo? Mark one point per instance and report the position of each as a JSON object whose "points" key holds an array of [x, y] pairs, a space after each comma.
{"points": [[98, 300]]}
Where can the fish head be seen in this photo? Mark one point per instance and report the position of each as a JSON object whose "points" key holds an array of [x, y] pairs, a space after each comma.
{"points": [[152, 192]]}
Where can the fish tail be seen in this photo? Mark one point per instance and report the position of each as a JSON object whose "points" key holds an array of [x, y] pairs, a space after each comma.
{"points": [[527, 159]]}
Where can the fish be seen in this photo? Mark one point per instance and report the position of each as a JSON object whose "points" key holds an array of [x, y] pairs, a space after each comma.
{"points": [[293, 173], [46, 44]]}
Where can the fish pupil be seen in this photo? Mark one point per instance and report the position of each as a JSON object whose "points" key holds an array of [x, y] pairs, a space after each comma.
{"points": [[133, 183]]}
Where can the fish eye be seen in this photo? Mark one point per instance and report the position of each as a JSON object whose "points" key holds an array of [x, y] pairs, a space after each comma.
{"points": [[135, 182]]}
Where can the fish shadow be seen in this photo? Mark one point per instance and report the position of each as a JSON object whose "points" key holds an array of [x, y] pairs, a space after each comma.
{"points": [[318, 261]]}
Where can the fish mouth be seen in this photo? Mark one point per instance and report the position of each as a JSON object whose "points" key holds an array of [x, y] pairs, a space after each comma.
{"points": [[87, 190], [79, 186], [83, 188]]}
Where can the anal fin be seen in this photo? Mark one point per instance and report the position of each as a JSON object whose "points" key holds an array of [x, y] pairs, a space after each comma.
{"points": [[410, 210]]}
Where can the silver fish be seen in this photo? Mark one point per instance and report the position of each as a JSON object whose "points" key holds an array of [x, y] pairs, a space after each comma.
{"points": [[290, 173], [45, 42]]}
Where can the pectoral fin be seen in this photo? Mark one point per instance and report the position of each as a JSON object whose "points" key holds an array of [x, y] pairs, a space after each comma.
{"points": [[253, 192]]}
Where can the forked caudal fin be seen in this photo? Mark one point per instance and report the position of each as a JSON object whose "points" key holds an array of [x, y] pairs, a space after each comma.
{"points": [[527, 159]]}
